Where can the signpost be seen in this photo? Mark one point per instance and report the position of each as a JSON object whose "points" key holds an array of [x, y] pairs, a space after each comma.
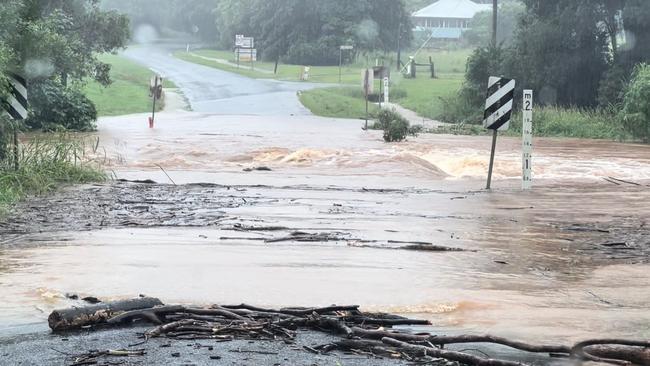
{"points": [[16, 107], [155, 92], [341, 49], [386, 89], [498, 110], [527, 130], [367, 78], [245, 49]]}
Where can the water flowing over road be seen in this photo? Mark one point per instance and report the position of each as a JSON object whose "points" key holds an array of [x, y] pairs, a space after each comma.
{"points": [[298, 209]]}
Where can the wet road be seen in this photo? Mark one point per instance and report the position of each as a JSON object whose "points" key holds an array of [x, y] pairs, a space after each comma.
{"points": [[214, 91]]}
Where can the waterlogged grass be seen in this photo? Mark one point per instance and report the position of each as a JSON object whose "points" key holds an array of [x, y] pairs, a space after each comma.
{"points": [[350, 74], [556, 122], [129, 92], [341, 102], [574, 122], [45, 163]]}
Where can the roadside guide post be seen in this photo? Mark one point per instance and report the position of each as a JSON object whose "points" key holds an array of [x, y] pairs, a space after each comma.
{"points": [[386, 89], [527, 130], [368, 81], [15, 106], [341, 49], [498, 110], [155, 91]]}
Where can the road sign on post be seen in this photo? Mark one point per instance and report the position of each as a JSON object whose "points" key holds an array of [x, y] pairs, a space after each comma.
{"points": [[16, 107], [527, 130], [244, 42], [498, 111], [155, 92], [386, 89], [368, 83], [341, 49]]}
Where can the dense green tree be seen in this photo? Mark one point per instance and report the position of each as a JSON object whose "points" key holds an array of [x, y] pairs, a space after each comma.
{"points": [[170, 16], [56, 43], [310, 31], [480, 32]]}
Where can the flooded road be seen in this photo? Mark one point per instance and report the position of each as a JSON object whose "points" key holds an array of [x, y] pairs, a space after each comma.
{"points": [[567, 261]]}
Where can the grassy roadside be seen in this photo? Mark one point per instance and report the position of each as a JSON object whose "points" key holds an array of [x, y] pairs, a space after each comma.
{"points": [[421, 95], [340, 102], [129, 92], [46, 162]]}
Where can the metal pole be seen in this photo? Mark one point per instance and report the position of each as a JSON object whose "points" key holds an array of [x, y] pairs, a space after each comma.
{"points": [[399, 47], [155, 92], [495, 9], [340, 63], [366, 111], [16, 163], [494, 148]]}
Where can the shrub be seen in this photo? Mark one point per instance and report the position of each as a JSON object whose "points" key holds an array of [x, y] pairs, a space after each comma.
{"points": [[56, 107], [636, 104], [395, 127]]}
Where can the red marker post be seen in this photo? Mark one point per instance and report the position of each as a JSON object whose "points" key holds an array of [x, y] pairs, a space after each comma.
{"points": [[155, 92]]}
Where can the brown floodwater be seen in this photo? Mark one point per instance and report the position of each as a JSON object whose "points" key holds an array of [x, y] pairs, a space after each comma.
{"points": [[566, 261]]}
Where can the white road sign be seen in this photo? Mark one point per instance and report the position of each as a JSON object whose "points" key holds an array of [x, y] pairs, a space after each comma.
{"points": [[347, 48], [246, 54], [527, 128], [244, 42]]}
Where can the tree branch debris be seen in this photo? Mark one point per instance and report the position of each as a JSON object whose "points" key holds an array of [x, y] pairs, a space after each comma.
{"points": [[360, 333]]}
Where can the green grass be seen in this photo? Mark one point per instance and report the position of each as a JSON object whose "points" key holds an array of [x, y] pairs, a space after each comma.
{"points": [[421, 95], [129, 92], [556, 122], [574, 122], [45, 163], [350, 74], [340, 102]]}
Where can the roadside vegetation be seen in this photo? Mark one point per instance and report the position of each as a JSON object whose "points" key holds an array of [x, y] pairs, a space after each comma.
{"points": [[44, 163], [55, 47], [129, 91]]}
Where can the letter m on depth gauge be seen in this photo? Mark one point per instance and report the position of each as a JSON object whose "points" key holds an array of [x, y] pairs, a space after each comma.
{"points": [[498, 105]]}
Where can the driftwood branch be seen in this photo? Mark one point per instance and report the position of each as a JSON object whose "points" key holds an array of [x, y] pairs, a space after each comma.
{"points": [[464, 358], [357, 332]]}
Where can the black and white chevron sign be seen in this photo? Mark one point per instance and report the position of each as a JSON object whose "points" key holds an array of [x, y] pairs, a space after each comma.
{"points": [[498, 105], [16, 105]]}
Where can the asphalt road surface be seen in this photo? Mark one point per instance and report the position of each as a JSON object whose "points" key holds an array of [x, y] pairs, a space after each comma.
{"points": [[211, 90]]}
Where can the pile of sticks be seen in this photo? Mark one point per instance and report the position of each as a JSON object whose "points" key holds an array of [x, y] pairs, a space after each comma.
{"points": [[360, 332]]}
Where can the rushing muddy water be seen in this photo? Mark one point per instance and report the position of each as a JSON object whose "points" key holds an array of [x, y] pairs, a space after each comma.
{"points": [[568, 260]]}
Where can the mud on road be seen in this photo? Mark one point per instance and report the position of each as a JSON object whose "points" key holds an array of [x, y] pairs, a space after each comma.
{"points": [[307, 214]]}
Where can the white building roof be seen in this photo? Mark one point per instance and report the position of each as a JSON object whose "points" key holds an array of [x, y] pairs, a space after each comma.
{"points": [[462, 9]]}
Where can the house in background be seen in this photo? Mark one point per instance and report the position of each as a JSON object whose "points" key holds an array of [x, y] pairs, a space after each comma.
{"points": [[447, 19]]}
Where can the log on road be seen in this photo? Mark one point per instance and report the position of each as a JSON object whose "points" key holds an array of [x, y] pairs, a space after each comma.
{"points": [[76, 318]]}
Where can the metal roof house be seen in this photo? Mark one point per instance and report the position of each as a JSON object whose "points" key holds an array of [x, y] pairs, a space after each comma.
{"points": [[447, 19]]}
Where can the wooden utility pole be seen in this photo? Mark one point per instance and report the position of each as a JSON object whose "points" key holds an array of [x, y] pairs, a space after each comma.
{"points": [[495, 9], [399, 47]]}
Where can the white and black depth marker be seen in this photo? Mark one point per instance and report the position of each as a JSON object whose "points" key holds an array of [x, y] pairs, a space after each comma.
{"points": [[527, 140], [16, 105], [498, 111]]}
